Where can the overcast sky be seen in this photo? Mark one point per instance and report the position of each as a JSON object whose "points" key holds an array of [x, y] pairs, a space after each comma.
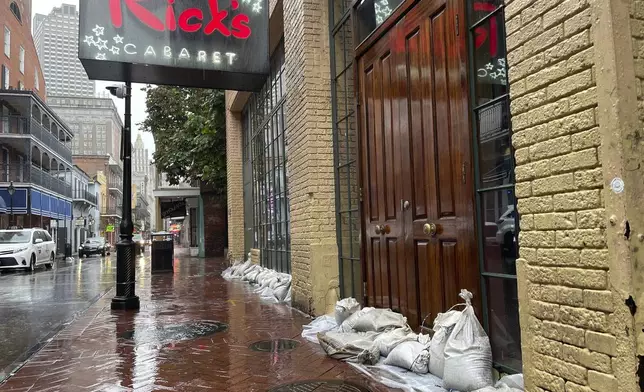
{"points": [[138, 97]]}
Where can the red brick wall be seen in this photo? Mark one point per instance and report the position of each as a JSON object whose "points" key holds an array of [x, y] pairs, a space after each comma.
{"points": [[20, 36]]}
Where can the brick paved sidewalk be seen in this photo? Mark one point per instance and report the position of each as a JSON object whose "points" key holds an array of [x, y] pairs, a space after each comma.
{"points": [[105, 351]]}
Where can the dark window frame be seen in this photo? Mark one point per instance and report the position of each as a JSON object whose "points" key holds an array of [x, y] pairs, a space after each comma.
{"points": [[345, 150], [264, 141], [499, 100]]}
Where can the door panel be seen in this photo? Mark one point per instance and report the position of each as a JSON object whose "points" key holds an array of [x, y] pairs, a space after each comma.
{"points": [[416, 158]]}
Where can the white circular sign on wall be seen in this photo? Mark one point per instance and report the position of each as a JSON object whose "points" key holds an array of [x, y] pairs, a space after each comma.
{"points": [[617, 185]]}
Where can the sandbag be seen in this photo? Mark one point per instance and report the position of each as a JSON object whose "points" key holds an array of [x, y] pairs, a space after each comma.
{"points": [[468, 354], [387, 341], [281, 292], [345, 308], [347, 325], [320, 324], [443, 325], [377, 320], [410, 355], [351, 346]]}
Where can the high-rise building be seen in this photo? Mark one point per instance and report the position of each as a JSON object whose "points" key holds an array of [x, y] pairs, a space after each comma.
{"points": [[56, 40], [140, 162], [95, 122]]}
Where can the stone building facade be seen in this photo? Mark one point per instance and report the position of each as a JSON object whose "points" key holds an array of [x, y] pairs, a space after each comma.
{"points": [[542, 102]]}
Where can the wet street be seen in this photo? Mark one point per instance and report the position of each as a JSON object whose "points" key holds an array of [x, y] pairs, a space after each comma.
{"points": [[36, 306], [194, 332]]}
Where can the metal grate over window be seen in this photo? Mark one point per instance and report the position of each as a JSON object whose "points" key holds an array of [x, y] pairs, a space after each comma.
{"points": [[345, 149], [494, 170], [265, 158]]}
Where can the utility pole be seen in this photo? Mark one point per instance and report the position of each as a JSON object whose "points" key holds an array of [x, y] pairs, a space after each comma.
{"points": [[126, 298]]}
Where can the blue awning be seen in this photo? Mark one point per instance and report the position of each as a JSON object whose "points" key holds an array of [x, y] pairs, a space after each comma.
{"points": [[50, 206], [36, 202], [17, 203]]}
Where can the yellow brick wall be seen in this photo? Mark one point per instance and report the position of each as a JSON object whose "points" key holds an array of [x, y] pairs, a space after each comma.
{"points": [[235, 195], [310, 153], [575, 334]]}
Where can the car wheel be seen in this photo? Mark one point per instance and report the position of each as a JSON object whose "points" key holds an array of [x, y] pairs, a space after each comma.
{"points": [[32, 263], [52, 261], [103, 253]]}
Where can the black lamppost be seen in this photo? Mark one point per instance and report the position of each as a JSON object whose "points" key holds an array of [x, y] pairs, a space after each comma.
{"points": [[125, 249], [12, 191]]}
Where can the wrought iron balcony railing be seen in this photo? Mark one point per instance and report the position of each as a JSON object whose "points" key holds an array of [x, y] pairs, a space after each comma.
{"points": [[17, 125], [30, 174]]}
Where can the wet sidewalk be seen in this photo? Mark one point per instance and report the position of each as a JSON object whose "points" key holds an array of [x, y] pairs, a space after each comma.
{"points": [[194, 332]]}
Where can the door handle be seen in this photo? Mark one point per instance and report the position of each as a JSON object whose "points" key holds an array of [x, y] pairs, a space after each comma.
{"points": [[378, 229], [430, 229]]}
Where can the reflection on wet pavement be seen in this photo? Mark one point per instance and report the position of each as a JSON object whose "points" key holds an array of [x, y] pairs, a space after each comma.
{"points": [[34, 306], [175, 341]]}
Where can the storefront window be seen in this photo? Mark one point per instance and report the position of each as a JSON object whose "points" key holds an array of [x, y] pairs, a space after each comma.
{"points": [[372, 13], [496, 204], [345, 137], [265, 176]]}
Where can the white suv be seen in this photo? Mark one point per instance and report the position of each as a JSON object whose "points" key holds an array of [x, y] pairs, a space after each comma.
{"points": [[26, 248]]}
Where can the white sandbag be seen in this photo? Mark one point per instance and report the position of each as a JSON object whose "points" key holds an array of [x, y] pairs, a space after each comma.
{"points": [[378, 320], [347, 325], [350, 346], [320, 324], [241, 270], [345, 308], [468, 354], [281, 292], [387, 341], [410, 355], [443, 325]]}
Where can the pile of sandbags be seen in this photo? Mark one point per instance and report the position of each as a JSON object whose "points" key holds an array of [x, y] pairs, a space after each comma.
{"points": [[270, 285], [459, 351]]}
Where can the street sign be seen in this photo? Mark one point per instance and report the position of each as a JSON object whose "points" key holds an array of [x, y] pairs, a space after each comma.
{"points": [[222, 44], [109, 229]]}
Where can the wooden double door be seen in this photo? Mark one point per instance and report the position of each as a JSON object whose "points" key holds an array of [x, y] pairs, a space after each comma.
{"points": [[419, 237]]}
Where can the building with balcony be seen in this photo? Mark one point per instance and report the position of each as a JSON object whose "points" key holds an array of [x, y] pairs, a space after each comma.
{"points": [[35, 145], [111, 194], [85, 202]]}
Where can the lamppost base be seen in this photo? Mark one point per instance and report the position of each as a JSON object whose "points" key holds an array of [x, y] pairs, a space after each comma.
{"points": [[126, 303]]}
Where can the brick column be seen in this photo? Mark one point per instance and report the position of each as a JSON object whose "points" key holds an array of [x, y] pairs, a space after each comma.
{"points": [[234, 168], [310, 154], [568, 82]]}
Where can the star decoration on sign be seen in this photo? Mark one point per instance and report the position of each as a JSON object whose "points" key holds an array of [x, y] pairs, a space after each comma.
{"points": [[257, 7], [489, 66], [89, 40], [101, 44], [98, 30], [115, 50], [118, 39], [502, 62], [101, 56]]}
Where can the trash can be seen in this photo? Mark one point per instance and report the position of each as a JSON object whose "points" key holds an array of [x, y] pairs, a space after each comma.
{"points": [[162, 253]]}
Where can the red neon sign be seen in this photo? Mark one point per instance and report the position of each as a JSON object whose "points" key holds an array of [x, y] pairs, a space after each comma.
{"points": [[190, 20], [482, 33]]}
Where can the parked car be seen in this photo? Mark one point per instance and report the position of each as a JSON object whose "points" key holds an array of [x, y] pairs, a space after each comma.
{"points": [[93, 246], [26, 248]]}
